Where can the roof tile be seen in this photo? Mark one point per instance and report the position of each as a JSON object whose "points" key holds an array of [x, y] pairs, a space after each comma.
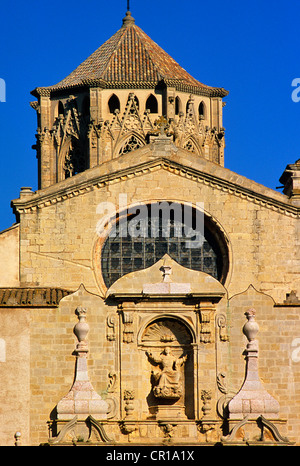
{"points": [[130, 57]]}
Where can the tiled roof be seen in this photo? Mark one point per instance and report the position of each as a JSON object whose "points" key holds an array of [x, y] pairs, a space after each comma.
{"points": [[131, 59], [31, 297]]}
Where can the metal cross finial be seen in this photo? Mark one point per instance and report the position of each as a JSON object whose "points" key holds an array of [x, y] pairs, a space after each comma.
{"points": [[128, 5]]}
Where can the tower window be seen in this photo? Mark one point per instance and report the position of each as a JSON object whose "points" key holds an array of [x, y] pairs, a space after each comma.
{"points": [[61, 110], [151, 104], [75, 160], [201, 110], [177, 106], [113, 104], [86, 106]]}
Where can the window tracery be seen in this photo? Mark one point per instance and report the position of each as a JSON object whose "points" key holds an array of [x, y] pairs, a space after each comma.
{"points": [[190, 146], [130, 144], [74, 161]]}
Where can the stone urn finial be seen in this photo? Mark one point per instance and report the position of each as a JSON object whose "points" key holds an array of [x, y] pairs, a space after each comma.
{"points": [[252, 399], [82, 400], [251, 327], [81, 329]]}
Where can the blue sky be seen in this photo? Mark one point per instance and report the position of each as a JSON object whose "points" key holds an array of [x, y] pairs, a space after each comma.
{"points": [[250, 48]]}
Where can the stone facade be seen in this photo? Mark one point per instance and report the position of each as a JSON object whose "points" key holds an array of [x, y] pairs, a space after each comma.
{"points": [[162, 362]]}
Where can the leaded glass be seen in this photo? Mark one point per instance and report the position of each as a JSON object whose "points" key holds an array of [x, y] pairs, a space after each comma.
{"points": [[123, 253]]}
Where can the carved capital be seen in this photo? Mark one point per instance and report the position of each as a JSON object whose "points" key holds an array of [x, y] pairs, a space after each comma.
{"points": [[128, 333]]}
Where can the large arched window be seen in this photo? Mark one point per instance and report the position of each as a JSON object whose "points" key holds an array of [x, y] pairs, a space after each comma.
{"points": [[127, 248], [75, 160]]}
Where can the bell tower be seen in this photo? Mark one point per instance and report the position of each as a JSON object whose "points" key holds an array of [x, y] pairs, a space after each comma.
{"points": [[116, 100]]}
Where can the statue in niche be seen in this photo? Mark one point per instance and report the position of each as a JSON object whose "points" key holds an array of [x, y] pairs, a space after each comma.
{"points": [[167, 383]]}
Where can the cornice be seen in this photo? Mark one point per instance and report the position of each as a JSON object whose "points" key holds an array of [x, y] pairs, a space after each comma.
{"points": [[31, 297], [91, 179], [178, 84]]}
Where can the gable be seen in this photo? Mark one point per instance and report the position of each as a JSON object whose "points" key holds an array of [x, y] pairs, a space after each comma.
{"points": [[152, 158]]}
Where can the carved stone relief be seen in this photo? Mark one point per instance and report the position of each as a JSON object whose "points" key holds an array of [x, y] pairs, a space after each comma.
{"points": [[170, 367], [166, 331], [128, 334], [167, 382], [221, 323], [111, 327]]}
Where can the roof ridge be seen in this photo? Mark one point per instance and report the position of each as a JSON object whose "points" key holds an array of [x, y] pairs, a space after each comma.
{"points": [[146, 45], [147, 50], [90, 58], [122, 30], [130, 67]]}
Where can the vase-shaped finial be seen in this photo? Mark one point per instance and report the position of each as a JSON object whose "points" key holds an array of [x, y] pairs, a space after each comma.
{"points": [[251, 327], [81, 329]]}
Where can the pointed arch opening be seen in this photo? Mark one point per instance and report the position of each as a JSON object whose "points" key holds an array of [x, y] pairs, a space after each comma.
{"points": [[61, 109], [74, 161], [151, 104], [202, 110], [85, 108], [178, 106], [132, 142], [113, 104]]}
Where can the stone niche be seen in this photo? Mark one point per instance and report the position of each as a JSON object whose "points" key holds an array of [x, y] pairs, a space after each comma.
{"points": [[167, 343]]}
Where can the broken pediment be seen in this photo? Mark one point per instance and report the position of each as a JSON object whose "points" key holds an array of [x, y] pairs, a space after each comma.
{"points": [[167, 278]]}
